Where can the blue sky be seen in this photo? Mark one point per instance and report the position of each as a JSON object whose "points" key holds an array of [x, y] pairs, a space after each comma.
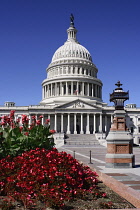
{"points": [[32, 30]]}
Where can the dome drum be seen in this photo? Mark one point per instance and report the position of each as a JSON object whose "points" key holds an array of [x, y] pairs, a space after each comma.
{"points": [[68, 70], [67, 88]]}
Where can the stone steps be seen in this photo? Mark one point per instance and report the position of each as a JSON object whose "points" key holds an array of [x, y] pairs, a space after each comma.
{"points": [[81, 139]]}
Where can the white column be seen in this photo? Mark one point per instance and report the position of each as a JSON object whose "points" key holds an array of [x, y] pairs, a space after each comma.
{"points": [[49, 117], [84, 71], [87, 127], [77, 88], [62, 123], [105, 123], [111, 118], [92, 90], [80, 90], [83, 88], [75, 131], [43, 92], [68, 127], [94, 119], [16, 117], [66, 88], [81, 132], [58, 85], [42, 120], [100, 127], [30, 119], [51, 90], [55, 122], [72, 88], [62, 89], [48, 87], [55, 91], [87, 89]]}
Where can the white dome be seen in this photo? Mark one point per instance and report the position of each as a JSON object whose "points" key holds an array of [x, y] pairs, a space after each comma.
{"points": [[71, 50], [71, 74]]}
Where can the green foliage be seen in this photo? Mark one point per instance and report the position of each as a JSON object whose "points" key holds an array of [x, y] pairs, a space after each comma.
{"points": [[14, 140]]}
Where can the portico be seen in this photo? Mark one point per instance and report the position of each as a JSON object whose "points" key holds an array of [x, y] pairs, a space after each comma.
{"points": [[74, 122]]}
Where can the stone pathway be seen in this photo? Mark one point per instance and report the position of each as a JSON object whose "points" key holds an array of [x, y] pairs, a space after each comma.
{"points": [[127, 177]]}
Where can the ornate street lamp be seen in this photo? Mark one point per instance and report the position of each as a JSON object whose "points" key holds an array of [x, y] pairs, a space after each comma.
{"points": [[119, 96], [119, 140]]}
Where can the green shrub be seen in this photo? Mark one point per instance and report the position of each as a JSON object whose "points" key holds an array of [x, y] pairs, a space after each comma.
{"points": [[15, 139]]}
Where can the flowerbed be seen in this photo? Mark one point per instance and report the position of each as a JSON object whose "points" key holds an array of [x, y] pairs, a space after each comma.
{"points": [[32, 171], [47, 176]]}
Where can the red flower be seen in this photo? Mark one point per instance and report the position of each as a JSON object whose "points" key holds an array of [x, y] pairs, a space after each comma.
{"points": [[26, 133], [53, 176], [3, 123], [25, 119], [9, 179], [41, 116], [12, 113], [52, 131], [47, 121], [20, 128], [104, 195], [38, 122], [34, 117]]}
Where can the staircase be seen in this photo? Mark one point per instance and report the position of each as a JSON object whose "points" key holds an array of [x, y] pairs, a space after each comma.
{"points": [[81, 139]]}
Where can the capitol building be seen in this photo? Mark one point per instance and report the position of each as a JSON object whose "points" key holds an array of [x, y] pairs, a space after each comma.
{"points": [[72, 96]]}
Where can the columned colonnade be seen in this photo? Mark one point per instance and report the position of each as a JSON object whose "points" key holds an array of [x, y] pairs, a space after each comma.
{"points": [[72, 88], [77, 123]]}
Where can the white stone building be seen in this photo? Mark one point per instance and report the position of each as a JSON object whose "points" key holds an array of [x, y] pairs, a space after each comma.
{"points": [[72, 95]]}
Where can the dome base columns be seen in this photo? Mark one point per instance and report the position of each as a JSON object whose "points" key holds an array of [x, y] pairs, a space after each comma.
{"points": [[119, 144]]}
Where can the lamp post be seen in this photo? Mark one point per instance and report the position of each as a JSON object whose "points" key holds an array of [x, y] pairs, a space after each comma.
{"points": [[119, 140]]}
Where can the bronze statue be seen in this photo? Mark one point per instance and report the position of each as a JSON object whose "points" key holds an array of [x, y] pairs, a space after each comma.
{"points": [[72, 19]]}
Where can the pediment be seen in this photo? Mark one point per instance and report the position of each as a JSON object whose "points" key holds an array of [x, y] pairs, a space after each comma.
{"points": [[77, 104]]}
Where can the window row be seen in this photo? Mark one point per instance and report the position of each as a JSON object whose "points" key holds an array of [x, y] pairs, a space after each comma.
{"points": [[71, 70]]}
